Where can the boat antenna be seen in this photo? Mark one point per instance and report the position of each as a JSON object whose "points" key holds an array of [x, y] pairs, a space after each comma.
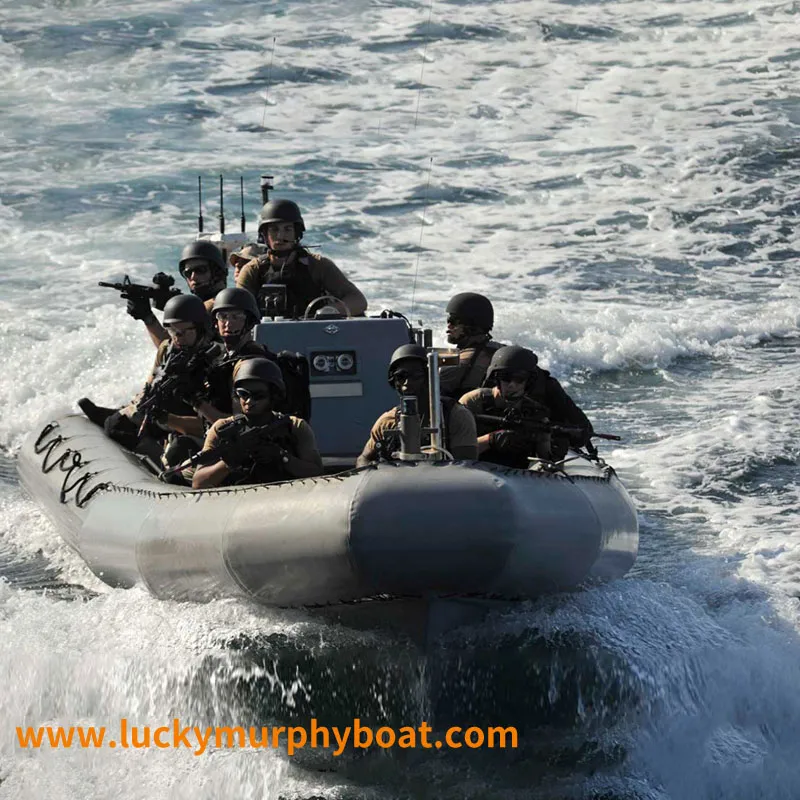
{"points": [[269, 85], [422, 66], [266, 186], [199, 204], [221, 208], [241, 198], [421, 230]]}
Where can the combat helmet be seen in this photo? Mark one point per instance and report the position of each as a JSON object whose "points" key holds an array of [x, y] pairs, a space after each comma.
{"points": [[206, 250], [406, 351], [282, 211], [510, 359], [260, 369], [187, 308], [472, 309], [238, 300]]}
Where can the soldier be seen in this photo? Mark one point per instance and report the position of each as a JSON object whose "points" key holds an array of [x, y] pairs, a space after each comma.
{"points": [[514, 381], [166, 404], [260, 446], [204, 269], [408, 375], [470, 317], [235, 314], [244, 255], [305, 275]]}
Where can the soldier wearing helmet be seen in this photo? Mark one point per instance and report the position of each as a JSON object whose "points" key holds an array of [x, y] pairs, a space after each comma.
{"points": [[305, 275], [470, 318], [408, 375], [235, 314], [188, 326], [202, 266], [515, 380], [289, 452]]}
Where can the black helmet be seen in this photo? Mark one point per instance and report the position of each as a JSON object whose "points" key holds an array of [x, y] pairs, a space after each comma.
{"points": [[187, 308], [282, 211], [472, 309], [407, 351], [260, 369], [513, 358], [206, 250], [237, 300]]}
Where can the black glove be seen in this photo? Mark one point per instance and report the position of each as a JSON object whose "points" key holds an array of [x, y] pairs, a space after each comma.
{"points": [[509, 442], [269, 453], [138, 307], [236, 456]]}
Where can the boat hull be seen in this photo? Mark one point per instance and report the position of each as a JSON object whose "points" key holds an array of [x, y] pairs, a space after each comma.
{"points": [[457, 528]]}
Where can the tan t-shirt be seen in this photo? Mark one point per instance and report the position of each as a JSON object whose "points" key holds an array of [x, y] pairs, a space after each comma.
{"points": [[462, 439]]}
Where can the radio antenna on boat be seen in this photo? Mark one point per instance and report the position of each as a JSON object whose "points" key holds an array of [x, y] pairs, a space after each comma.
{"points": [[421, 231], [269, 85], [241, 198], [266, 187], [199, 204], [422, 66], [221, 208]]}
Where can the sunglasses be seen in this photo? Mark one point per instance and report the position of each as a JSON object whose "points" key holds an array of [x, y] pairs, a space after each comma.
{"points": [[408, 375], [246, 394], [454, 322], [512, 377], [201, 269]]}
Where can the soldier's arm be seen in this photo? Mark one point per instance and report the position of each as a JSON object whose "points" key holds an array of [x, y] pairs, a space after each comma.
{"points": [[308, 462], [369, 454], [334, 282], [156, 330], [190, 426], [250, 278], [211, 475], [462, 433], [473, 403]]}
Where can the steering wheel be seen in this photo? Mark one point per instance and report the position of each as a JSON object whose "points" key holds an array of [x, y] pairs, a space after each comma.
{"points": [[326, 299]]}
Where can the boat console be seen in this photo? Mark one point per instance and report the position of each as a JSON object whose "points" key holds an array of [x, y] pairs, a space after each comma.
{"points": [[348, 360]]}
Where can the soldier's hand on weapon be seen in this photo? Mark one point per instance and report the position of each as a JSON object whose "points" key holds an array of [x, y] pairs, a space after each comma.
{"points": [[138, 307], [508, 442], [269, 453], [160, 417], [236, 455]]}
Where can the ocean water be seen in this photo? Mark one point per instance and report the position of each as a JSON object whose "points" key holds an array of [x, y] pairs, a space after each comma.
{"points": [[621, 178]]}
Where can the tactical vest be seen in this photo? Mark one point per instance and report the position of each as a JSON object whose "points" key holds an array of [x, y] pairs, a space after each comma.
{"points": [[276, 470], [455, 380], [301, 288]]}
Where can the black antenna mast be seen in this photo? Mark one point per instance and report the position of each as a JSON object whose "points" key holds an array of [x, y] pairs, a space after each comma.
{"points": [[266, 187], [221, 208], [199, 204], [241, 197]]}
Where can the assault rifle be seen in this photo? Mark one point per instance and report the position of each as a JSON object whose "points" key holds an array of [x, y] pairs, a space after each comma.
{"points": [[159, 293], [515, 420], [182, 375], [235, 437]]}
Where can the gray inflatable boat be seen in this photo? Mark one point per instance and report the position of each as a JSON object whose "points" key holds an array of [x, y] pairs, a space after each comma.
{"points": [[406, 529]]}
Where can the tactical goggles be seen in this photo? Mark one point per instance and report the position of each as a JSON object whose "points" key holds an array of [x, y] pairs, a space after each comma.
{"points": [[231, 316], [402, 375], [511, 376], [247, 394], [454, 322], [179, 332]]}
